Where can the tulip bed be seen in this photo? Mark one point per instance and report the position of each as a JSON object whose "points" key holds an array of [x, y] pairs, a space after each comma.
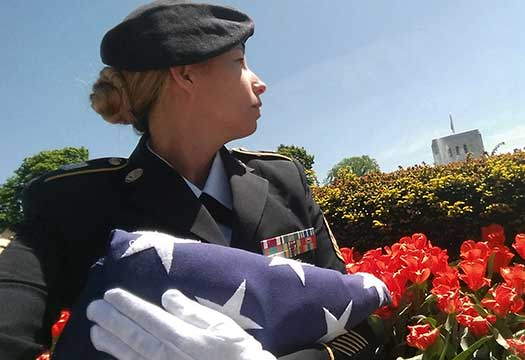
{"points": [[471, 308]]}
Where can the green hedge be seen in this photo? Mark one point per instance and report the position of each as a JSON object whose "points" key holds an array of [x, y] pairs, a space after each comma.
{"points": [[449, 203]]}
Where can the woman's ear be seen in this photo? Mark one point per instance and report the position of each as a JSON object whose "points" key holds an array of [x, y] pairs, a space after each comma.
{"points": [[182, 76]]}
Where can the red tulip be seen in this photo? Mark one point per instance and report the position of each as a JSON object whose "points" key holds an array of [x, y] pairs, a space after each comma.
{"points": [[419, 241], [58, 327], [44, 356], [372, 262], [417, 266], [493, 234], [439, 259], [503, 300], [471, 250], [501, 257], [352, 266], [517, 346], [474, 275], [385, 312], [447, 298], [448, 276], [514, 276], [519, 244], [478, 325], [421, 336], [469, 317], [467, 307], [396, 284], [347, 254]]}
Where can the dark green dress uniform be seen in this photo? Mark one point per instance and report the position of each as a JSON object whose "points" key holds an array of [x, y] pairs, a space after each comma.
{"points": [[70, 213]]}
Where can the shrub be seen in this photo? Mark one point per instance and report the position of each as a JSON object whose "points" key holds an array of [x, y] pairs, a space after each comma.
{"points": [[450, 203]]}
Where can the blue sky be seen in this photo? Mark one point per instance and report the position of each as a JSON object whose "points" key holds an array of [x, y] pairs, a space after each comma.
{"points": [[344, 77]]}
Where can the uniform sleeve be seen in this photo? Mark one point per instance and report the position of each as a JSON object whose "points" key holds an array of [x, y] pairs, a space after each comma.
{"points": [[328, 254], [25, 268], [320, 352]]}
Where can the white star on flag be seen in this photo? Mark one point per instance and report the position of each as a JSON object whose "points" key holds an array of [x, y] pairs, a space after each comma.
{"points": [[370, 281], [232, 308], [335, 327], [296, 266], [162, 243]]}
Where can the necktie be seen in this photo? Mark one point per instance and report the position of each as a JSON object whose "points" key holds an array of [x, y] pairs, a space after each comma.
{"points": [[220, 213]]}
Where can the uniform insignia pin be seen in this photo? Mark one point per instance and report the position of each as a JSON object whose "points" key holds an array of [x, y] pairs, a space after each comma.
{"points": [[115, 161], [134, 175]]}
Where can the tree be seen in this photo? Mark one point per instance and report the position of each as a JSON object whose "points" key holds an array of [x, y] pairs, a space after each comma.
{"points": [[300, 154], [36, 165], [358, 165]]}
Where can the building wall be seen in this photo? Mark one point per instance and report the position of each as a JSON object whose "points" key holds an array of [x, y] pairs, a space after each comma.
{"points": [[456, 147]]}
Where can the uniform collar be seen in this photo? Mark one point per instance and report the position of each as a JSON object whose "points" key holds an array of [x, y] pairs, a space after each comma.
{"points": [[217, 184], [161, 199]]}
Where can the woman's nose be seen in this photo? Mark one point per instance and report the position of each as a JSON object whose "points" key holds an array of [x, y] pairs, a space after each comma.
{"points": [[259, 87]]}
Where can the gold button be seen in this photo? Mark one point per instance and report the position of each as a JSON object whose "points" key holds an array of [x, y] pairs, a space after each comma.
{"points": [[115, 161]]}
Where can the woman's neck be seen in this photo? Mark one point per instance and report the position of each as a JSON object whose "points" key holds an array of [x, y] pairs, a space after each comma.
{"points": [[182, 136], [189, 149]]}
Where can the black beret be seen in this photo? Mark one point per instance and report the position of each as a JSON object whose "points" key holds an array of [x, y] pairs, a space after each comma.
{"points": [[166, 33]]}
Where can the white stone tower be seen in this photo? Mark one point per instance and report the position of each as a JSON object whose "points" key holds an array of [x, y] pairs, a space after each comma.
{"points": [[456, 147]]}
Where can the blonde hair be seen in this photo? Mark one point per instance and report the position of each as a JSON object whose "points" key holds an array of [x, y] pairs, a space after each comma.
{"points": [[126, 97]]}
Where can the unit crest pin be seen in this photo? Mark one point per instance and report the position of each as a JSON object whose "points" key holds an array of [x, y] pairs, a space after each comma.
{"points": [[134, 175]]}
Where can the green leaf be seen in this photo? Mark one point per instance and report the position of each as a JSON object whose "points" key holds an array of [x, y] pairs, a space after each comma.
{"points": [[518, 318], [519, 333], [467, 354], [512, 357], [447, 348], [377, 325], [500, 339], [427, 319], [434, 350], [466, 339], [450, 323], [402, 312], [481, 310], [429, 299], [430, 355], [490, 266]]}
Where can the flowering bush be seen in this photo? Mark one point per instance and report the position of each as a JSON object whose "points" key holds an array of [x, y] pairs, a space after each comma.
{"points": [[469, 308], [449, 203]]}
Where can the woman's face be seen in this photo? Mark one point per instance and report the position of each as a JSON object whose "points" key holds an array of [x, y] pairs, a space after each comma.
{"points": [[228, 94]]}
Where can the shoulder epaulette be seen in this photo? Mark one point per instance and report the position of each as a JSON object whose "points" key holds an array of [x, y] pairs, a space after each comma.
{"points": [[87, 167], [261, 154]]}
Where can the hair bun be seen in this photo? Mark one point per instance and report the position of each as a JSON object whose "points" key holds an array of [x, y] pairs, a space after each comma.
{"points": [[110, 97]]}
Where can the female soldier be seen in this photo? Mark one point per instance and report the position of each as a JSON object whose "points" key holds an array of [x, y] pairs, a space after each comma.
{"points": [[177, 73]]}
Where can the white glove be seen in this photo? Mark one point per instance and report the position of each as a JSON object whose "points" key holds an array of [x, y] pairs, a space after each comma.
{"points": [[129, 328]]}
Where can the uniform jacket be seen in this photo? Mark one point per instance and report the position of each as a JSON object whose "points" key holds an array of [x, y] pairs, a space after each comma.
{"points": [[69, 213]]}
